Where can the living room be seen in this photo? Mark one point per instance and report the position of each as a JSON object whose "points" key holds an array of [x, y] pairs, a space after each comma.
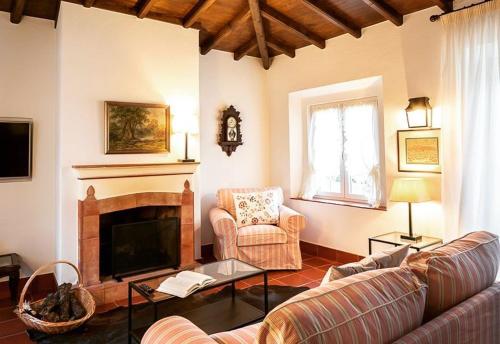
{"points": [[246, 100]]}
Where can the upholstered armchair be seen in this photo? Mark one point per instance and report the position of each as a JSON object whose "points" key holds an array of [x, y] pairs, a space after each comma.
{"points": [[271, 247]]}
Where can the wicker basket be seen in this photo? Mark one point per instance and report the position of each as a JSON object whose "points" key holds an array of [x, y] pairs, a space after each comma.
{"points": [[60, 327]]}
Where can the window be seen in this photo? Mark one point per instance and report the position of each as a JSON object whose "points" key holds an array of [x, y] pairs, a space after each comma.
{"points": [[344, 152]]}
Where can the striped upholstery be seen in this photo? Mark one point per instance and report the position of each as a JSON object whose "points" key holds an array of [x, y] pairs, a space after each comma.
{"points": [[225, 197], [271, 257], [175, 330], [476, 320], [268, 249], [371, 307], [225, 234], [261, 235], [245, 335], [457, 270]]}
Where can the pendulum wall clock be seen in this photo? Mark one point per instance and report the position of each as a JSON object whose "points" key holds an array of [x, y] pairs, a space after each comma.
{"points": [[230, 131]]}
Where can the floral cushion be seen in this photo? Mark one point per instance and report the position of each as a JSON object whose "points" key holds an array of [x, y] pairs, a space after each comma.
{"points": [[256, 208]]}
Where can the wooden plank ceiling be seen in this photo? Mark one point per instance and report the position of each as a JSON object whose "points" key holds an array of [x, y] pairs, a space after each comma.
{"points": [[249, 27]]}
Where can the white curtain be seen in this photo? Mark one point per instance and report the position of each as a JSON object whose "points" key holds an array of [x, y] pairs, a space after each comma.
{"points": [[324, 148], [349, 129], [470, 99], [362, 147]]}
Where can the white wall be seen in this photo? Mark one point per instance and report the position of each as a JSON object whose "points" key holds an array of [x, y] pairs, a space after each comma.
{"points": [[225, 82], [407, 58], [28, 88], [98, 55], [110, 56]]}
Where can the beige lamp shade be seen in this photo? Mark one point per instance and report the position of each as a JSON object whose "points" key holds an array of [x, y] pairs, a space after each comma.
{"points": [[412, 190]]}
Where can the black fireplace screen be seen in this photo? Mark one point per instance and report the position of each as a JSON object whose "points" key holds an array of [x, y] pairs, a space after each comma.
{"points": [[144, 246]]}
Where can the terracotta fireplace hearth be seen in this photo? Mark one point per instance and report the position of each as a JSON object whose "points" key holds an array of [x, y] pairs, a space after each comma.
{"points": [[89, 211]]}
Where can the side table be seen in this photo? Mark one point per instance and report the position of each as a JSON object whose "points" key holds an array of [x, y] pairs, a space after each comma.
{"points": [[10, 267], [394, 238]]}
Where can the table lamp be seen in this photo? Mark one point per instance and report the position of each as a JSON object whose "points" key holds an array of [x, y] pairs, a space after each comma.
{"points": [[185, 125], [410, 190]]}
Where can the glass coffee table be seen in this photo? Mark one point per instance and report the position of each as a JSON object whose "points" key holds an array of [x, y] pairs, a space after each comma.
{"points": [[230, 312]]}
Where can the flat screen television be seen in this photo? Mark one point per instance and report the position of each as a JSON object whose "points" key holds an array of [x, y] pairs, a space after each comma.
{"points": [[15, 148]]}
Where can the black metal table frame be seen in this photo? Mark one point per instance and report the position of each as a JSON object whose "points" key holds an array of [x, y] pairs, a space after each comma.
{"points": [[134, 285], [418, 249], [13, 272]]}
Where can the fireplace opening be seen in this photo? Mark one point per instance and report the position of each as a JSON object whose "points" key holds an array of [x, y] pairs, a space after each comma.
{"points": [[139, 240]]}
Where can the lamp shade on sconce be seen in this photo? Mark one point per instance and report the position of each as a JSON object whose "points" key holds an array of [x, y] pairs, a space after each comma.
{"points": [[411, 190], [419, 113]]}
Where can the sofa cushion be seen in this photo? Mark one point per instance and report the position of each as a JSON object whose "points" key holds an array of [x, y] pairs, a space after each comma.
{"points": [[342, 271], [457, 270], [261, 235], [225, 197], [473, 321], [244, 335], [389, 258], [377, 306], [256, 208]]}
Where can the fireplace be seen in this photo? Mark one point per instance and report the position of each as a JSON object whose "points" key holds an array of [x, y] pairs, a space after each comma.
{"points": [[167, 217], [138, 240]]}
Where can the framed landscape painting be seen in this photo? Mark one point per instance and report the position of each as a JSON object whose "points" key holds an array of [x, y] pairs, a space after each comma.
{"points": [[135, 128], [419, 150]]}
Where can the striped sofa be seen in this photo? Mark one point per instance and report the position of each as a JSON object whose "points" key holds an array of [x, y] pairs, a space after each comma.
{"points": [[266, 246], [447, 295]]}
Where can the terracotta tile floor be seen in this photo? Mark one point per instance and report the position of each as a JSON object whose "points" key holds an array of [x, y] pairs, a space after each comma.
{"points": [[12, 330]]}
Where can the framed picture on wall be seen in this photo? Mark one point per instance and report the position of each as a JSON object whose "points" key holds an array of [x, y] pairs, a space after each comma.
{"points": [[136, 128], [419, 150]]}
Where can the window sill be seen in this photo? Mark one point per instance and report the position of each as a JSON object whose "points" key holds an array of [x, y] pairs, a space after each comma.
{"points": [[341, 203]]}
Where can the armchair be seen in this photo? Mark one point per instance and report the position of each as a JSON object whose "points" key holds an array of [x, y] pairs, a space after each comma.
{"points": [[271, 247]]}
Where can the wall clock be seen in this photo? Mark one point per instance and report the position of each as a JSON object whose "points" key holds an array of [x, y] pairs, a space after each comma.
{"points": [[230, 131]]}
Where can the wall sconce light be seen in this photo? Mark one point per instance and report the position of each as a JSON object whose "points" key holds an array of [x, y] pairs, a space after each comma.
{"points": [[419, 113]]}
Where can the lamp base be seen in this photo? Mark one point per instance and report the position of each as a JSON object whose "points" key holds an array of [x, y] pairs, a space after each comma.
{"points": [[417, 238], [186, 160]]}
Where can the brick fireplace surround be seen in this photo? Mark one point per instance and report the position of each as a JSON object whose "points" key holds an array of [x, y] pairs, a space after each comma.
{"points": [[89, 210]]}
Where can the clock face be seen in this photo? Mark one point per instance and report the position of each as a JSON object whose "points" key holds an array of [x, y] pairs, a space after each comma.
{"points": [[231, 122]]}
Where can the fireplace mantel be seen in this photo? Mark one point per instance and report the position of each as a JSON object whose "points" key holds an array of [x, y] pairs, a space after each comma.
{"points": [[113, 171], [89, 211]]}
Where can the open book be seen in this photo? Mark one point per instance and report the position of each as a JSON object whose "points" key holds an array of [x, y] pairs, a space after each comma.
{"points": [[185, 283]]}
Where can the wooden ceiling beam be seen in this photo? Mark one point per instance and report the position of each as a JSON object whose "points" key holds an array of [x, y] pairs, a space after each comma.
{"points": [[333, 18], [145, 7], [260, 34], [195, 12], [445, 5], [386, 11], [245, 49], [281, 48], [16, 13], [88, 3], [272, 15], [225, 31]]}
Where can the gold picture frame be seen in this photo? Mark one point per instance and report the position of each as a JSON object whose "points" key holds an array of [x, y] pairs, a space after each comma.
{"points": [[419, 150], [136, 128]]}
